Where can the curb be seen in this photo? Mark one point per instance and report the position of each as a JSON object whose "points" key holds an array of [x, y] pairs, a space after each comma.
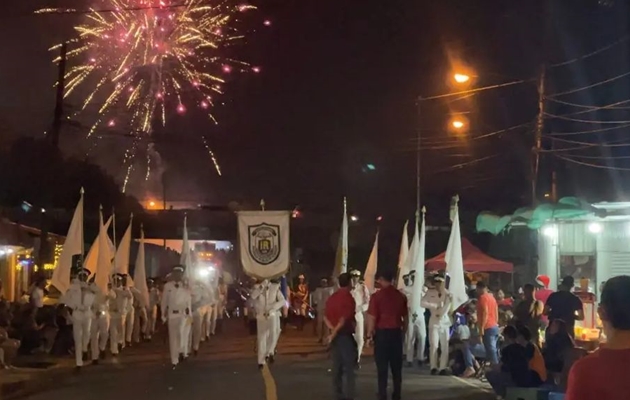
{"points": [[40, 382]]}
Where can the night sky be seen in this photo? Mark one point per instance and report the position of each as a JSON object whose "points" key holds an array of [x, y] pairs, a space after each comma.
{"points": [[338, 91]]}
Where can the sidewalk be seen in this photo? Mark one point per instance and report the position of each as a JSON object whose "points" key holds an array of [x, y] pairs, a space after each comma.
{"points": [[30, 373]]}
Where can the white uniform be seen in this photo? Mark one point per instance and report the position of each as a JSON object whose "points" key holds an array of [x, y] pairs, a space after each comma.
{"points": [[439, 304], [80, 298], [320, 297], [416, 330], [154, 302], [100, 322], [361, 297], [176, 305], [118, 312], [130, 315], [199, 302], [275, 327], [268, 301], [214, 303], [140, 315]]}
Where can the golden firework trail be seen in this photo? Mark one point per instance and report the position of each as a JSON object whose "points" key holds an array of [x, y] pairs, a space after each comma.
{"points": [[138, 61]]}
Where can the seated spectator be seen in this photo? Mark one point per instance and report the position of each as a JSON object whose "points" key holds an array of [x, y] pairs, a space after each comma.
{"points": [[604, 374], [8, 349], [558, 343], [514, 369], [504, 302], [64, 341], [534, 356], [29, 331], [470, 344]]}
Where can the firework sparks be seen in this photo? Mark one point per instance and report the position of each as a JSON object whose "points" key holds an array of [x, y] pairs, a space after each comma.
{"points": [[217, 167], [142, 60]]}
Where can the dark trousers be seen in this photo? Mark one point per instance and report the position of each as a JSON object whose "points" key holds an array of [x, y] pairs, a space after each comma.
{"points": [[344, 356], [388, 354]]}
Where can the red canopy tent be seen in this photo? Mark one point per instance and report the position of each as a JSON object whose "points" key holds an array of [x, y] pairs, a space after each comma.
{"points": [[474, 261]]}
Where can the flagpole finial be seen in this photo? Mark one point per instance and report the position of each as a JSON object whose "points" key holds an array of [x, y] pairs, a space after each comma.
{"points": [[82, 191], [345, 204], [100, 207], [424, 210], [456, 197], [131, 216], [262, 204], [417, 213]]}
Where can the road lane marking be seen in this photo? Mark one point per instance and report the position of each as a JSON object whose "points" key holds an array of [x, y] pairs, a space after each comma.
{"points": [[270, 384]]}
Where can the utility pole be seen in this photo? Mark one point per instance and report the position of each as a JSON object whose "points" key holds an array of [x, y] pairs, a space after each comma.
{"points": [[540, 123], [61, 89]]}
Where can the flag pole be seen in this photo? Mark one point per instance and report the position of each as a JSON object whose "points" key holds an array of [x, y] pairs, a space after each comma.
{"points": [[82, 228], [262, 204]]}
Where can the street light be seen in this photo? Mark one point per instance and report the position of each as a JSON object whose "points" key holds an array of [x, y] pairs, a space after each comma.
{"points": [[458, 124], [461, 78]]}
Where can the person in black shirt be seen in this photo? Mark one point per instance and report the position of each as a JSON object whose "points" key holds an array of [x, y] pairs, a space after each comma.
{"points": [[565, 305]]}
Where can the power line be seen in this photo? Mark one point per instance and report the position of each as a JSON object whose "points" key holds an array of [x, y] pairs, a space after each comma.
{"points": [[589, 131], [591, 164], [481, 89], [591, 54], [609, 107], [591, 86], [584, 121], [591, 144]]}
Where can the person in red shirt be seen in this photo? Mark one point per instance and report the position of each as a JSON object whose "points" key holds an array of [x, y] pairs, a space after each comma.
{"points": [[488, 322], [339, 318], [604, 374], [387, 322]]}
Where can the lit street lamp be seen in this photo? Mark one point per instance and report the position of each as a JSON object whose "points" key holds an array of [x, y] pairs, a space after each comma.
{"points": [[457, 124], [461, 78]]}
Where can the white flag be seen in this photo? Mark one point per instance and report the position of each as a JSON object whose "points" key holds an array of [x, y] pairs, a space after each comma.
{"points": [[418, 264], [341, 257], [372, 264], [104, 257], [140, 273], [455, 262], [71, 247], [185, 257], [91, 260], [264, 243], [121, 260], [403, 267]]}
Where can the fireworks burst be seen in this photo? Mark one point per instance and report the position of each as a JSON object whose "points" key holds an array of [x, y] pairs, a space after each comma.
{"points": [[140, 61]]}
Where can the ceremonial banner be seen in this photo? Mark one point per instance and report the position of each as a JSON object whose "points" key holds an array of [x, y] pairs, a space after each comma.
{"points": [[455, 260], [264, 243], [372, 265], [403, 266], [71, 247], [341, 257], [417, 264]]}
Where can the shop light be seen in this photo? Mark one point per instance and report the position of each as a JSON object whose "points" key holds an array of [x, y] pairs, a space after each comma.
{"points": [[595, 227], [550, 231]]}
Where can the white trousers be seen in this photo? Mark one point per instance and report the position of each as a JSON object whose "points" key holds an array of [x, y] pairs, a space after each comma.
{"points": [[438, 338], [139, 324], [265, 337], [359, 333], [176, 342], [115, 331], [197, 324], [416, 338], [187, 336], [320, 326], [213, 320], [274, 332], [100, 334], [151, 321], [81, 323], [128, 326]]}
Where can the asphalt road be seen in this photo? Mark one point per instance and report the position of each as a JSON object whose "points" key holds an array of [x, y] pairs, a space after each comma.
{"points": [[226, 369]]}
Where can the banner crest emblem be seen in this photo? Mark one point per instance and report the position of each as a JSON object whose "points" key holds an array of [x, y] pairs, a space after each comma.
{"points": [[264, 243]]}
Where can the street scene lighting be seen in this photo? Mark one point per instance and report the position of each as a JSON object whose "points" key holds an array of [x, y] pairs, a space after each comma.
{"points": [[457, 124], [461, 78]]}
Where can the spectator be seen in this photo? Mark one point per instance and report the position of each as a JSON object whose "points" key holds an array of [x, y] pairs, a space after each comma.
{"points": [[528, 312], [387, 323], [514, 370], [488, 322], [558, 343], [504, 302], [29, 331], [604, 374], [471, 344], [64, 341], [535, 358], [8, 349], [565, 305]]}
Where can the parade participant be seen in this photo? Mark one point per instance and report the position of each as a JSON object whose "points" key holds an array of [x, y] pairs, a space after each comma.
{"points": [[387, 322], [175, 308], [223, 294], [213, 296], [300, 301], [199, 302], [154, 301], [417, 330], [80, 298], [115, 317], [275, 317], [119, 318], [187, 333], [340, 311], [139, 315], [268, 301], [129, 313], [100, 323], [438, 301], [320, 297], [362, 300]]}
